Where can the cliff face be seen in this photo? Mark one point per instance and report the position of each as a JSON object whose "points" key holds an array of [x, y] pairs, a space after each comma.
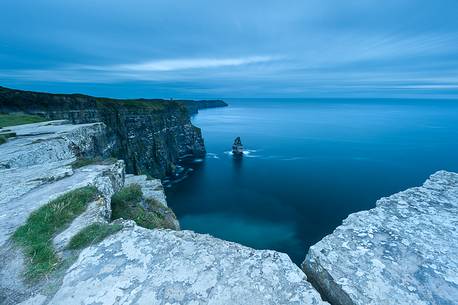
{"points": [[404, 251], [150, 135], [194, 106]]}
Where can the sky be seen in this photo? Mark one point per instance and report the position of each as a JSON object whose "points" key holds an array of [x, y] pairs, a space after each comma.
{"points": [[236, 48]]}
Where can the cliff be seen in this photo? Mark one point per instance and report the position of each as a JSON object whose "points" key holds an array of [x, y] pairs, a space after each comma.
{"points": [[194, 106], [52, 252], [151, 135], [60, 242], [404, 251]]}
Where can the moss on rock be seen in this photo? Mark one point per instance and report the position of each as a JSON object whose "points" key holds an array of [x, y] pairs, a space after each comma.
{"points": [[129, 203]]}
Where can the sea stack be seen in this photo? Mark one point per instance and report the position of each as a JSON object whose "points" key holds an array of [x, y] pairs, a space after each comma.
{"points": [[237, 147]]}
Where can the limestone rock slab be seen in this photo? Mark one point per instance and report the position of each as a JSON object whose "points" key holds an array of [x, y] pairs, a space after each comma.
{"points": [[141, 266], [404, 251]]}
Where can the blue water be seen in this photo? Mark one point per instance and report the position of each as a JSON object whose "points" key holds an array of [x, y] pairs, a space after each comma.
{"points": [[310, 163]]}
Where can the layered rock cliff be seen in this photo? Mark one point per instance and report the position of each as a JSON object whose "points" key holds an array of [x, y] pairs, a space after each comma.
{"points": [[404, 251], [151, 136]]}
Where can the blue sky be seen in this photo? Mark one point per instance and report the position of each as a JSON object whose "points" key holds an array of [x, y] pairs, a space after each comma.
{"points": [[236, 48]]}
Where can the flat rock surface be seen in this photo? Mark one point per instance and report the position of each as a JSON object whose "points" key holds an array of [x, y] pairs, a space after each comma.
{"points": [[141, 266], [47, 142], [14, 213], [404, 251]]}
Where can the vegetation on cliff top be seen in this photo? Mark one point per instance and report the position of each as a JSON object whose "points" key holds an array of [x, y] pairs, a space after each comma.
{"points": [[12, 100], [92, 234], [128, 203], [13, 119], [35, 236]]}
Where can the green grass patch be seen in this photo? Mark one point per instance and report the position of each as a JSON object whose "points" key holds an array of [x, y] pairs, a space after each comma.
{"points": [[92, 234], [35, 236], [13, 119], [128, 203]]}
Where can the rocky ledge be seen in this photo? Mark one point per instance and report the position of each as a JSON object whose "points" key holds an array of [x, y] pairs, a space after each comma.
{"points": [[404, 251], [134, 265], [140, 266]]}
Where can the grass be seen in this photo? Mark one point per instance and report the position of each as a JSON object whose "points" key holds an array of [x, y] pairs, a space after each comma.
{"points": [[92, 234], [35, 236], [155, 105], [13, 119], [81, 162], [128, 203]]}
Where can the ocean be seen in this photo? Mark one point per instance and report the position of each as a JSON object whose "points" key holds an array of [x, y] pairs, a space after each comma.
{"points": [[308, 164]]}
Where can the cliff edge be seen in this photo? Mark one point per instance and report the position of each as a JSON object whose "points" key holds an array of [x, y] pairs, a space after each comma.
{"points": [[60, 245], [404, 251]]}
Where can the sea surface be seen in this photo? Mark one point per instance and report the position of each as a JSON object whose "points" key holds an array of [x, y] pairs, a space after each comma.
{"points": [[308, 165]]}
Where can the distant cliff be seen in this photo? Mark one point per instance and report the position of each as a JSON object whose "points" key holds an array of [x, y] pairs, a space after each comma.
{"points": [[151, 135], [194, 106]]}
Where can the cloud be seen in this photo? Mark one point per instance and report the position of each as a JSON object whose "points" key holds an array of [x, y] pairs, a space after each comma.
{"points": [[185, 64], [330, 47], [153, 70]]}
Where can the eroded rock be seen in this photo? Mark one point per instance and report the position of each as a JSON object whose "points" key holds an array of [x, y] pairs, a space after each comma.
{"points": [[404, 251], [141, 266]]}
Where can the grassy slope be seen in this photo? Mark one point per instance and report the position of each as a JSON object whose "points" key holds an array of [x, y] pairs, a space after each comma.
{"points": [[36, 235], [92, 234], [127, 204], [13, 119]]}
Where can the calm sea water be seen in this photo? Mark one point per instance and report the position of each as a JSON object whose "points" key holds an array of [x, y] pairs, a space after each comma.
{"points": [[310, 163]]}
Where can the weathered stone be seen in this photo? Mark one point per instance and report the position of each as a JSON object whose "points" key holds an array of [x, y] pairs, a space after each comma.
{"points": [[141, 266], [48, 142], [15, 212], [404, 251], [37, 171], [152, 188], [153, 201]]}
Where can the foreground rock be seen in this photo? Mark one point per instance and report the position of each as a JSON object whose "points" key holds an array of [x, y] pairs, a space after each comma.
{"points": [[140, 266], [404, 251], [35, 167]]}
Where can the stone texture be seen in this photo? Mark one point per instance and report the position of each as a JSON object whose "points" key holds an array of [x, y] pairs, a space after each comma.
{"points": [[152, 188], [141, 266], [404, 251], [48, 142], [36, 169]]}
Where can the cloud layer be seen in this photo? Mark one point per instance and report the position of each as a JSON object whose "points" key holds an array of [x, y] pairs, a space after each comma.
{"points": [[232, 48]]}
